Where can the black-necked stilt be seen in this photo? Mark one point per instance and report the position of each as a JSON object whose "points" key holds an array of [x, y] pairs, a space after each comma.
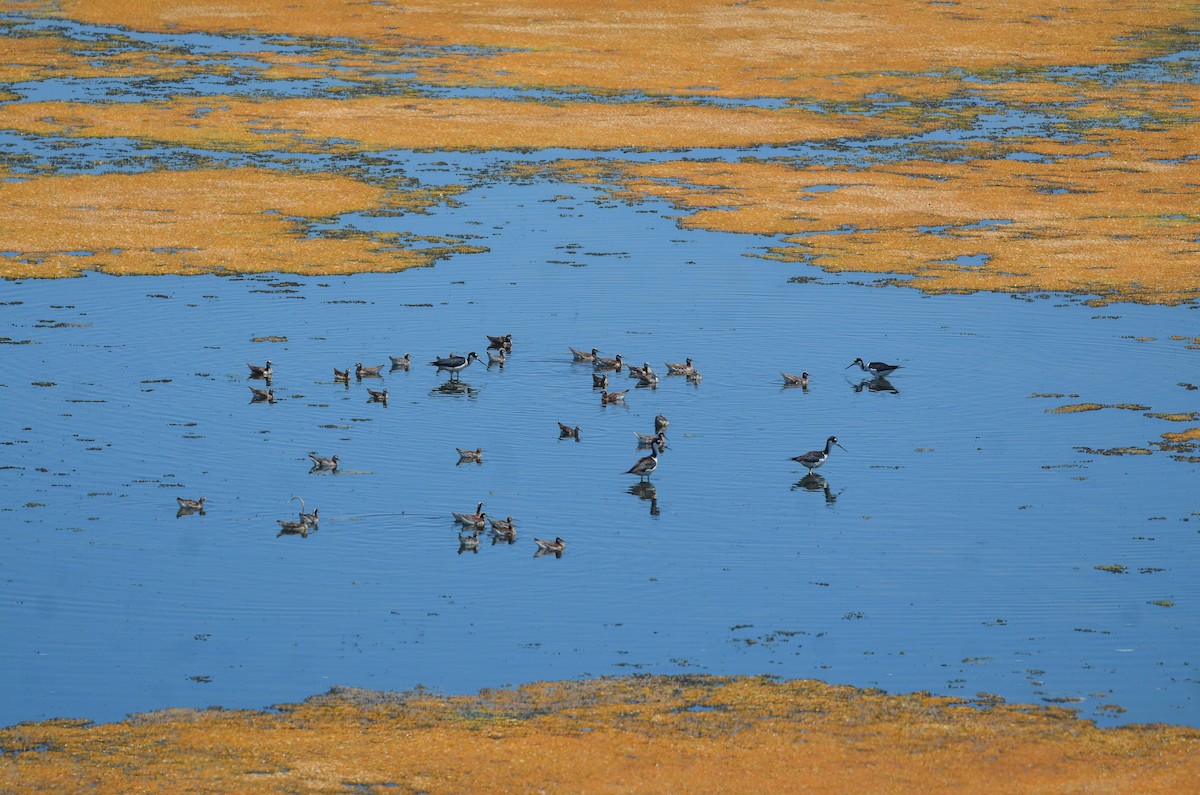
{"points": [[190, 505], [615, 363], [341, 375], [554, 547], [796, 380], [503, 342], [471, 519], [584, 356], [679, 368], [377, 396], [815, 458], [260, 395], [260, 372], [324, 463], [470, 456], [454, 364], [567, 432], [367, 372], [874, 368], [612, 397], [645, 465], [401, 362]]}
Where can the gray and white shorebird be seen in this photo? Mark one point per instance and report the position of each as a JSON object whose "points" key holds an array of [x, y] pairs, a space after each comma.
{"points": [[262, 395], [260, 371], [554, 547], [454, 364], [470, 456], [567, 432], [401, 362], [599, 380], [477, 519], [191, 505], [377, 396], [607, 397], [324, 463], [679, 368], [660, 423], [796, 380], [813, 459], [874, 368], [584, 356], [646, 465], [367, 372], [603, 363]]}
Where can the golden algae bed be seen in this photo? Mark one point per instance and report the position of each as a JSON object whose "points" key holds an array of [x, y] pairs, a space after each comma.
{"points": [[639, 734], [1118, 227]]}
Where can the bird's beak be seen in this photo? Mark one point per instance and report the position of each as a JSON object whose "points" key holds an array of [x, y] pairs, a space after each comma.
{"points": [[849, 365], [841, 446]]}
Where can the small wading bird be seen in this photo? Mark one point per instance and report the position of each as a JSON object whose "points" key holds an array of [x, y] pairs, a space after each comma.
{"points": [[454, 364], [815, 458], [262, 395], [504, 530], [646, 465], [310, 519], [341, 375], [679, 368], [695, 377], [796, 380], [375, 396], [401, 362], [470, 456], [602, 363], [584, 356], [191, 505], [640, 372], [874, 368], [497, 358], [599, 380], [477, 519], [661, 423], [567, 432], [324, 463], [503, 342], [367, 372], [554, 547], [612, 397], [260, 372], [645, 439]]}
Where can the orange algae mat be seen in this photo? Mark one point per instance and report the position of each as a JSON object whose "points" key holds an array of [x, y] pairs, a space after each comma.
{"points": [[1108, 215], [638, 734]]}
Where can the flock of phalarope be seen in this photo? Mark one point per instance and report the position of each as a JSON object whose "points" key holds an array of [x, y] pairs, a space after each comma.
{"points": [[505, 530]]}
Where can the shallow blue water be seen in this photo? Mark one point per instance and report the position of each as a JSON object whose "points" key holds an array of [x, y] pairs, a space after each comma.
{"points": [[950, 547]]}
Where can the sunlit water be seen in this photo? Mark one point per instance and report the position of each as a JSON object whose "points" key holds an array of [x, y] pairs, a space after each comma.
{"points": [[951, 547]]}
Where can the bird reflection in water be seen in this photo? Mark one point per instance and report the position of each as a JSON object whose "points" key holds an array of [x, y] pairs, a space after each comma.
{"points": [[645, 491], [454, 387], [814, 482], [877, 384]]}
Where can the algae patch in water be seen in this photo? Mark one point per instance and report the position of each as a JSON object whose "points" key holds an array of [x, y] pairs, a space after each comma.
{"points": [[657, 733]]}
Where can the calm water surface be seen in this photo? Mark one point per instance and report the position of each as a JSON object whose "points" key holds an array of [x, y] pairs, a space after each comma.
{"points": [[951, 547]]}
